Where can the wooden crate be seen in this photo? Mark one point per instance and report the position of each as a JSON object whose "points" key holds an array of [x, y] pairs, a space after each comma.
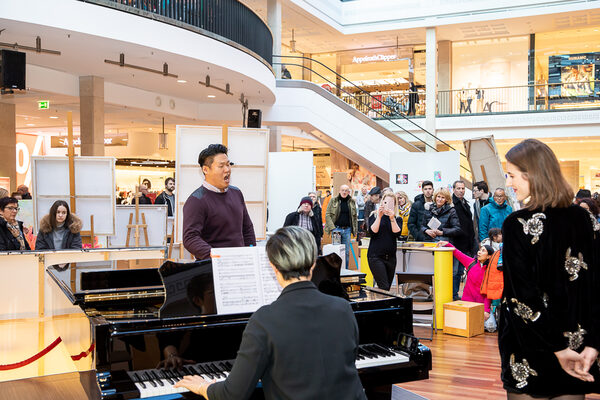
{"points": [[463, 318]]}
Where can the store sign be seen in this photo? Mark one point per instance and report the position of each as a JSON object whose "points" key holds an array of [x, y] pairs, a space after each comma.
{"points": [[374, 58], [116, 139], [43, 105], [27, 147]]}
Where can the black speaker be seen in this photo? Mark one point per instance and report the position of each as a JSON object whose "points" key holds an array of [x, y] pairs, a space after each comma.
{"points": [[254, 118], [12, 69]]}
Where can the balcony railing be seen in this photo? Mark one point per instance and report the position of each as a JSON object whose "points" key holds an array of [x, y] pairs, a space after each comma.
{"points": [[228, 19]]}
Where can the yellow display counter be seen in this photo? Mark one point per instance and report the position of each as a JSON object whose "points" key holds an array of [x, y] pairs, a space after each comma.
{"points": [[420, 257]]}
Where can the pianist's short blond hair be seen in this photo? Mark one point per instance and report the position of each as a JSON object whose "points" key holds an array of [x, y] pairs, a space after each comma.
{"points": [[293, 251]]}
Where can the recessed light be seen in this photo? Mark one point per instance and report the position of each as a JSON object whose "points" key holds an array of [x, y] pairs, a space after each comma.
{"points": [[211, 96], [54, 117], [181, 81], [30, 124]]}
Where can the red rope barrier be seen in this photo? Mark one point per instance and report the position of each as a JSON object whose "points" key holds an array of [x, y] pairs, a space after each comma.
{"points": [[83, 354], [36, 357], [51, 346]]}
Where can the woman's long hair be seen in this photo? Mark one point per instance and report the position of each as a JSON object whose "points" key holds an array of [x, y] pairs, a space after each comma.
{"points": [[547, 186], [54, 209]]}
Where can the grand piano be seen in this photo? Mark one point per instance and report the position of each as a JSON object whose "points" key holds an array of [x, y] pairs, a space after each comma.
{"points": [[135, 315]]}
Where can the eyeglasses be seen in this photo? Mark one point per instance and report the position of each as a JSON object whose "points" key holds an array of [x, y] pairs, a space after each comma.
{"points": [[16, 209]]}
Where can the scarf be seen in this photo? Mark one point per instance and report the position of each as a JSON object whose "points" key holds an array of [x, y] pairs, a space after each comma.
{"points": [[16, 232], [404, 210]]}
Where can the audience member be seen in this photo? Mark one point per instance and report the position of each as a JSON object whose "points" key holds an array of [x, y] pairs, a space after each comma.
{"points": [[465, 239], [316, 208], [404, 205], [16, 195], [371, 205], [482, 198], [341, 216], [442, 210], [3, 193], [548, 334], [583, 194], [591, 206], [147, 182], [144, 199], [417, 211], [325, 204], [59, 229], [167, 196], [24, 192], [494, 214], [494, 239], [361, 199], [304, 217], [385, 226], [12, 236]]}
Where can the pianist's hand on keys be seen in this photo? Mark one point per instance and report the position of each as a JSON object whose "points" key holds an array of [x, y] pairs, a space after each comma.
{"points": [[196, 384]]}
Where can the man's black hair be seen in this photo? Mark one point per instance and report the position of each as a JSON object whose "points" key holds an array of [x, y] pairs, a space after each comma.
{"points": [[481, 185], [208, 154], [169, 179], [426, 183]]}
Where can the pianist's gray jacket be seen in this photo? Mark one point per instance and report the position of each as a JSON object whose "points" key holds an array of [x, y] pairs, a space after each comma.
{"points": [[302, 346]]}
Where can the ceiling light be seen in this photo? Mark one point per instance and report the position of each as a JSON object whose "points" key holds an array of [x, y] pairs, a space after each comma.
{"points": [[54, 117], [211, 96], [181, 81], [30, 124]]}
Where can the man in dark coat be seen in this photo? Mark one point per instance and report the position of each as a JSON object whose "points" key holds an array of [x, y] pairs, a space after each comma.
{"points": [[466, 239], [305, 217], [417, 211], [167, 196]]}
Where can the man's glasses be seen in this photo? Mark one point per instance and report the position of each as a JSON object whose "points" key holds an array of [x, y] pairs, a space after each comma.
{"points": [[12, 208]]}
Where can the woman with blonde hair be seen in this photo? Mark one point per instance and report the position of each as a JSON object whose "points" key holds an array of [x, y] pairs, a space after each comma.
{"points": [[404, 205], [384, 226], [549, 327], [3, 193], [440, 221]]}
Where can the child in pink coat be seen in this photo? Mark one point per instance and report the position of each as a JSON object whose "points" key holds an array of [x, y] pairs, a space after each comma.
{"points": [[475, 273]]}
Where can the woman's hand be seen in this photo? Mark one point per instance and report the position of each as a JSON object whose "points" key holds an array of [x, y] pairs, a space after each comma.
{"points": [[195, 384], [589, 355], [441, 243], [569, 360], [431, 233], [439, 233]]}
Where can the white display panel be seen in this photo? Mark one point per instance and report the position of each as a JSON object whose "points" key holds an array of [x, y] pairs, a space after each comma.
{"points": [[156, 219], [441, 168], [94, 189], [290, 179], [251, 181], [248, 149]]}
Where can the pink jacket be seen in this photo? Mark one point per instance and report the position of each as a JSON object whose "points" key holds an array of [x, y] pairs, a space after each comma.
{"points": [[474, 279]]}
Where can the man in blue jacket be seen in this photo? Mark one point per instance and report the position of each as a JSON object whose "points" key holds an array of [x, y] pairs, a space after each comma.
{"points": [[494, 214]]}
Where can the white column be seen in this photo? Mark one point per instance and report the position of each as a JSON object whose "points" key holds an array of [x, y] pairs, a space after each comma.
{"points": [[274, 139], [431, 79], [274, 22]]}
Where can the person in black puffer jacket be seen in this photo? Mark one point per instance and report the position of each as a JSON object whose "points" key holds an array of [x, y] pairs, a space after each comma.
{"points": [[443, 210], [59, 229]]}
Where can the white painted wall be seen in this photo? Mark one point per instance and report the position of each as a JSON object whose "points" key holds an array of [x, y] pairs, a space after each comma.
{"points": [[290, 177]]}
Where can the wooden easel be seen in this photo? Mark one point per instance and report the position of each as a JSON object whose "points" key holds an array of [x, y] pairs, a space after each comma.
{"points": [[136, 226]]}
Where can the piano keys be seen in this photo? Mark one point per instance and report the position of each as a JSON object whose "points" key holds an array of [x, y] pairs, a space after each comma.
{"points": [[132, 324]]}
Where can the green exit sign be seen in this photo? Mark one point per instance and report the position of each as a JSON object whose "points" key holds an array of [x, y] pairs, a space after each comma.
{"points": [[43, 105]]}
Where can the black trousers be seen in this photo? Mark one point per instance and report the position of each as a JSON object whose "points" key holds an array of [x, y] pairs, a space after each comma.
{"points": [[383, 268]]}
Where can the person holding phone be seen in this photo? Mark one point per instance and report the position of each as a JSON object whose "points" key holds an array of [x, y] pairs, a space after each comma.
{"points": [[385, 226]]}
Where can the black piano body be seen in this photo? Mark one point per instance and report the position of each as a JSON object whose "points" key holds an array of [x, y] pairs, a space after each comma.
{"points": [[134, 315]]}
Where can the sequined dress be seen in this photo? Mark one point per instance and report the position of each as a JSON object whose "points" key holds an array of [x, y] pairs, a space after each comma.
{"points": [[549, 301]]}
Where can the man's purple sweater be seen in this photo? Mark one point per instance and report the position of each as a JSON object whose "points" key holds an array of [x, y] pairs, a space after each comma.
{"points": [[212, 219]]}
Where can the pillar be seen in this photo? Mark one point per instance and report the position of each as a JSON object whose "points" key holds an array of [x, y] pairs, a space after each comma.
{"points": [[274, 23], [8, 144], [431, 78], [91, 115], [444, 76], [274, 139]]}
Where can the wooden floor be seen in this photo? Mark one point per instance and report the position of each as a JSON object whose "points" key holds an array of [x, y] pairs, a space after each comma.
{"points": [[463, 368]]}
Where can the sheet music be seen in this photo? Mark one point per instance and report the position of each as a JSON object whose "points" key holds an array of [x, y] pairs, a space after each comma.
{"points": [[243, 279]]}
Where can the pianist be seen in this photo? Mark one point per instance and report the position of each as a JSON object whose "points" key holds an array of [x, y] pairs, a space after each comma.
{"points": [[302, 346], [215, 215]]}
